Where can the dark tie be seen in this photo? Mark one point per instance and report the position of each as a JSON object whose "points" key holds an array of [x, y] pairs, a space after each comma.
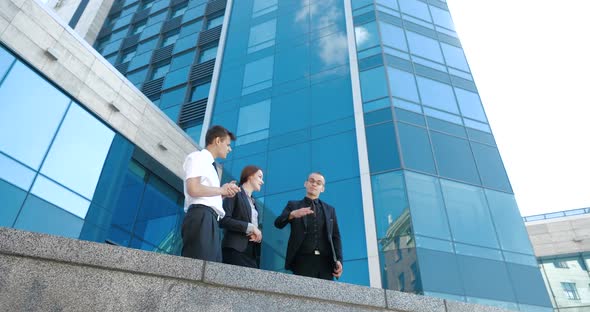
{"points": [[215, 167]]}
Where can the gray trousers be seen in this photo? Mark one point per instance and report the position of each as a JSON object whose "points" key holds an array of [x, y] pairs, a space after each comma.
{"points": [[201, 234]]}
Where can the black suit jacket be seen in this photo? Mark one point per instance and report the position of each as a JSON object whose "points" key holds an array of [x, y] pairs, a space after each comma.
{"points": [[299, 228], [235, 222]]}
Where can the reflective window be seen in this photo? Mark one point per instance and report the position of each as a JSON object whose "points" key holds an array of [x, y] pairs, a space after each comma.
{"points": [[140, 61], [439, 271], [373, 84], [12, 200], [176, 77], [182, 60], [415, 8], [127, 56], [424, 46], [191, 28], [147, 4], [139, 27], [509, 225], [159, 71], [454, 158], [54, 220], [6, 60], [382, 147], [438, 95], [150, 31], [160, 5], [78, 152], [366, 36], [15, 173], [280, 177], [27, 124], [469, 215], [470, 104], [389, 201], [393, 36], [331, 100], [258, 75], [261, 7], [193, 13], [441, 17], [173, 97], [60, 196], [454, 57], [490, 167], [292, 64], [178, 10], [186, 42], [262, 35], [147, 46], [402, 84], [429, 217], [208, 54], [415, 146], [253, 118], [200, 92], [169, 38], [336, 168], [290, 112], [214, 22], [474, 270], [137, 77]]}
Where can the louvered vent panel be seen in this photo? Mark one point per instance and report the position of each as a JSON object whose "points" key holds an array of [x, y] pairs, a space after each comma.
{"points": [[192, 113], [130, 41], [139, 16], [176, 2], [215, 6], [172, 24], [162, 54], [202, 70], [210, 35], [122, 68], [152, 88], [104, 32], [117, 7]]}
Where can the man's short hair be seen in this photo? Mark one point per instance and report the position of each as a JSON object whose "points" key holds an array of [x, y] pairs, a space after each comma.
{"points": [[218, 132], [316, 172]]}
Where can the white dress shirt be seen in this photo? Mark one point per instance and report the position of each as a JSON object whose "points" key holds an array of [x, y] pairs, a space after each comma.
{"points": [[200, 164]]}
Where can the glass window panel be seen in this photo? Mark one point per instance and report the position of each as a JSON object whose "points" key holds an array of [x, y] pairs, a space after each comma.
{"points": [[60, 197], [392, 4], [389, 201], [200, 92], [127, 56], [123, 21], [173, 97], [344, 166], [366, 36], [78, 152], [12, 200], [454, 57], [429, 217], [178, 11], [402, 84], [442, 115], [454, 158], [182, 60], [529, 286], [137, 77], [191, 28], [147, 46], [509, 225], [112, 47], [208, 54], [410, 117], [481, 252], [378, 116], [38, 215], [262, 33], [393, 36], [415, 8], [434, 244], [289, 177], [438, 95], [424, 46], [173, 112], [150, 31], [415, 146], [140, 60], [27, 124], [469, 215], [382, 147], [373, 84], [16, 173], [477, 125], [407, 105], [6, 60], [357, 272], [496, 286], [263, 6], [292, 64], [259, 112], [193, 13], [470, 104], [185, 43], [490, 167], [290, 112], [441, 17], [169, 38], [447, 127], [373, 105], [176, 77], [159, 71], [439, 272], [331, 100], [476, 135], [258, 71], [160, 5], [214, 22]]}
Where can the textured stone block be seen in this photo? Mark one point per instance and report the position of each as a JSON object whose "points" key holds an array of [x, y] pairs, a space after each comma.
{"points": [[455, 306], [409, 302], [72, 44], [33, 31], [8, 10], [94, 102], [25, 47], [291, 285], [107, 73], [40, 15], [123, 125], [94, 254], [3, 24], [133, 96], [60, 73]]}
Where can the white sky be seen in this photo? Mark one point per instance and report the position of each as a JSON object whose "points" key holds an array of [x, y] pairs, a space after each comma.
{"points": [[531, 64]]}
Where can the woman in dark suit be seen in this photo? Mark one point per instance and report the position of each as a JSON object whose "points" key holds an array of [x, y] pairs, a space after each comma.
{"points": [[241, 240]]}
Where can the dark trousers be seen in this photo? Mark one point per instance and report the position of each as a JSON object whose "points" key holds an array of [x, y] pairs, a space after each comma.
{"points": [[245, 259], [200, 234], [314, 266]]}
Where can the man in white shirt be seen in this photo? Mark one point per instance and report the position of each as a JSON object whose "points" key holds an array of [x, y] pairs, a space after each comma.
{"points": [[203, 197]]}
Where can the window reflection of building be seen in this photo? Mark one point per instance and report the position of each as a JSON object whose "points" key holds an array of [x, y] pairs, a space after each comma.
{"points": [[399, 251]]}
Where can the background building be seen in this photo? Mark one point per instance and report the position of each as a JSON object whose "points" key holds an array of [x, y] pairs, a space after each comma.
{"points": [[561, 241], [376, 95]]}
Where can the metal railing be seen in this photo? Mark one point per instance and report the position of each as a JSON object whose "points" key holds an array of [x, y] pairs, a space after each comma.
{"points": [[559, 214]]}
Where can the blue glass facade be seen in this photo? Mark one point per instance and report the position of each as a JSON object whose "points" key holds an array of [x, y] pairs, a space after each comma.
{"points": [[445, 217], [64, 172]]}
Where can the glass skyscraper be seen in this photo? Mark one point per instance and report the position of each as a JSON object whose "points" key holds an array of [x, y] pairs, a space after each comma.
{"points": [[375, 94]]}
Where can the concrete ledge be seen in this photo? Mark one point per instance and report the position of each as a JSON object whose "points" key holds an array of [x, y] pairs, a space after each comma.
{"points": [[40, 272]]}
